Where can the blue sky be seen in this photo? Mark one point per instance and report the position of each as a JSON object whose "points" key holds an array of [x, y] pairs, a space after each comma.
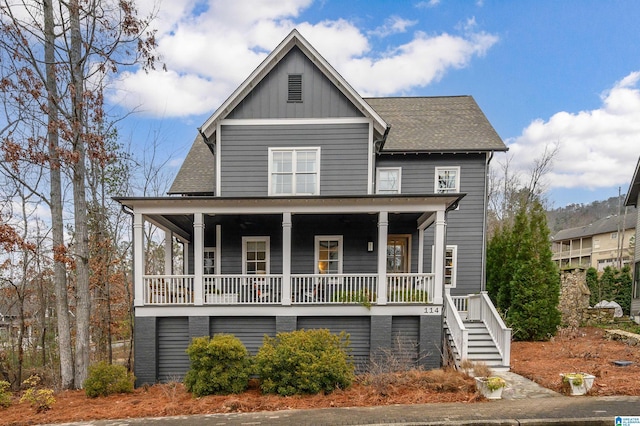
{"points": [[545, 72]]}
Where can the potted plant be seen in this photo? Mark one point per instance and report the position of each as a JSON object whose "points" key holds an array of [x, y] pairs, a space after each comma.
{"points": [[577, 383], [490, 387]]}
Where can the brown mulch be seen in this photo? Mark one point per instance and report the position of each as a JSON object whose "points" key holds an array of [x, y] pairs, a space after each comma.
{"points": [[584, 350]]}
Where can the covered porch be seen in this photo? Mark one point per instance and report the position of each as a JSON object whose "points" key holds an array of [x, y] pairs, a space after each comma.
{"points": [[369, 251]]}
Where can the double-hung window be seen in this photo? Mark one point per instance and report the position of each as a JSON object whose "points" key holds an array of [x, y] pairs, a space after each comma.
{"points": [[294, 171], [388, 180], [447, 180]]}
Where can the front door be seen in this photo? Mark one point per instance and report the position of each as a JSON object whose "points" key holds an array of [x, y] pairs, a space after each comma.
{"points": [[398, 254]]}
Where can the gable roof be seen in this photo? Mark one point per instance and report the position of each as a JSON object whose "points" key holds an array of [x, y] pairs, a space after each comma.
{"points": [[293, 39], [634, 188], [436, 124], [602, 226]]}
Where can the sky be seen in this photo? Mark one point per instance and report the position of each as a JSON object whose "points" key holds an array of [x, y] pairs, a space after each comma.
{"points": [[548, 74]]}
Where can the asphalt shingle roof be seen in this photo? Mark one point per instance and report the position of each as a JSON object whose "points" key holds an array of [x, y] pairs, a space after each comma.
{"points": [[602, 226], [436, 124], [197, 174]]}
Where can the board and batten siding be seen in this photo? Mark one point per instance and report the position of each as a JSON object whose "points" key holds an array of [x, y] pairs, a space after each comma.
{"points": [[465, 226], [320, 97], [244, 154]]}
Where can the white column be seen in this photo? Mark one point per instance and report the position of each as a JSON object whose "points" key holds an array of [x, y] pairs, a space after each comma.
{"points": [[420, 250], [383, 228], [185, 258], [168, 252], [218, 249], [438, 257], [198, 258], [286, 258], [138, 259]]}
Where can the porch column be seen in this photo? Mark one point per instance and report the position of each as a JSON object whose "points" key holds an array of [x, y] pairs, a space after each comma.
{"points": [[168, 252], [438, 257], [383, 228], [218, 260], [420, 250], [185, 256], [138, 259], [198, 258], [286, 259]]}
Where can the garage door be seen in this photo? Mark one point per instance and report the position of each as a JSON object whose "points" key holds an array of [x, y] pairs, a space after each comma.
{"points": [[250, 330]]}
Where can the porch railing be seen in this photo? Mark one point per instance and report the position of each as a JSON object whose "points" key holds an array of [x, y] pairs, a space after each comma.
{"points": [[306, 289], [459, 333], [481, 308]]}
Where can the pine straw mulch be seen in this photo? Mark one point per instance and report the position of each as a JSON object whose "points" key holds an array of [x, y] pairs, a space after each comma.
{"points": [[583, 350]]}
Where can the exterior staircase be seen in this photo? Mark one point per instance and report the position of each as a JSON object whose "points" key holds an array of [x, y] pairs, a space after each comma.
{"points": [[476, 332]]}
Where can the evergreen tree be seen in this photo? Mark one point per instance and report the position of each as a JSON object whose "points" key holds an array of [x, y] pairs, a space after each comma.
{"points": [[594, 286]]}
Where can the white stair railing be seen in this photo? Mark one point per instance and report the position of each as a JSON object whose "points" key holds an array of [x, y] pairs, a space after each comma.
{"points": [[481, 307], [459, 333]]}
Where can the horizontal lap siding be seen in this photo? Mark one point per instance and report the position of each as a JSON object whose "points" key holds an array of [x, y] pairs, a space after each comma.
{"points": [[358, 328], [465, 226], [405, 339], [173, 340], [250, 330], [343, 156]]}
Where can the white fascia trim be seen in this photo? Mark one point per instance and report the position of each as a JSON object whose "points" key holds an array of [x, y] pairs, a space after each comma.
{"points": [[292, 121], [218, 162]]}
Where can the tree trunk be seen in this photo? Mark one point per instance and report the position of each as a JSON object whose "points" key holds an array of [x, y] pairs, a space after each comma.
{"points": [[57, 224]]}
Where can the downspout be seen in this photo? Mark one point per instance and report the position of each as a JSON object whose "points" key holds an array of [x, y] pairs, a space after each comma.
{"points": [[129, 212], [483, 278]]}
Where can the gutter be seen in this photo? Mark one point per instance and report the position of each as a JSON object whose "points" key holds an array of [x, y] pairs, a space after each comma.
{"points": [[378, 144]]}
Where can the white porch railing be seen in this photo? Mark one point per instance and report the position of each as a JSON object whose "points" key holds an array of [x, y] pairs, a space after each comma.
{"points": [[334, 288], [458, 331], [242, 289], [410, 288], [168, 289], [481, 308], [306, 289]]}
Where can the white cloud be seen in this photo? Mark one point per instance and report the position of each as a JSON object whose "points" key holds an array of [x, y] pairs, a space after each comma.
{"points": [[428, 3], [393, 25], [597, 148], [210, 47]]}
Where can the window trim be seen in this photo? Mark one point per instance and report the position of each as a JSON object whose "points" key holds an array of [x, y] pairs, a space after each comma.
{"points": [[267, 241], [294, 151], [436, 179], [380, 169], [408, 239], [316, 255], [211, 250], [454, 268]]}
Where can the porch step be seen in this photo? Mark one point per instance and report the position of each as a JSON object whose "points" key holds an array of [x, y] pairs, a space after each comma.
{"points": [[481, 346]]}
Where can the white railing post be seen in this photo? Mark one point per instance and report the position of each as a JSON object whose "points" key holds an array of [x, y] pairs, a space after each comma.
{"points": [[286, 259], [383, 226], [439, 247], [138, 259]]}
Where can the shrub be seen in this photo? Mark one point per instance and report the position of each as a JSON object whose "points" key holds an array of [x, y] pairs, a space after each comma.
{"points": [[40, 399], [5, 394], [304, 362], [105, 379], [220, 365]]}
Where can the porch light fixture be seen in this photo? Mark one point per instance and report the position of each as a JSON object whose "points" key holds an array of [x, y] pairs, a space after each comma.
{"points": [[370, 246]]}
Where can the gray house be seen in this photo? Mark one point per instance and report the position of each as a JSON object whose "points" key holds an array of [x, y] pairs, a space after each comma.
{"points": [[303, 205]]}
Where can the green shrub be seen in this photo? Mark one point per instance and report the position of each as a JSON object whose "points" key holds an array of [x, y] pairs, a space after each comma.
{"points": [[105, 379], [5, 394], [40, 399], [304, 362], [220, 365]]}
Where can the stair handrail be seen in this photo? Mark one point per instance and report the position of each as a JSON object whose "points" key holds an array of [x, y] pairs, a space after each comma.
{"points": [[496, 327], [459, 332]]}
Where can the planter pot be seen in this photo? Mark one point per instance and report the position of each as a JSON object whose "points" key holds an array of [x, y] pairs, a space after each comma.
{"points": [[486, 387], [577, 383]]}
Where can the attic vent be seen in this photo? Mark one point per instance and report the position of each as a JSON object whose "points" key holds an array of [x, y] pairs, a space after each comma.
{"points": [[295, 88]]}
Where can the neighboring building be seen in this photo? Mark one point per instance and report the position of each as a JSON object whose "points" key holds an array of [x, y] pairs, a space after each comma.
{"points": [[603, 243], [303, 205], [633, 199]]}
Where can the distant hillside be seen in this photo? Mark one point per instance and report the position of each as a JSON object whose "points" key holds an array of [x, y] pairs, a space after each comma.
{"points": [[575, 215]]}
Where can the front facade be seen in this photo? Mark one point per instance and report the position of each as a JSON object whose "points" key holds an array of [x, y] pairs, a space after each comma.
{"points": [[303, 205], [606, 242]]}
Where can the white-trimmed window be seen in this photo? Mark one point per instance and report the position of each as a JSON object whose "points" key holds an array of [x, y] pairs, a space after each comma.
{"points": [[328, 254], [450, 264], [388, 180], [209, 261], [255, 255], [447, 180], [294, 171]]}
